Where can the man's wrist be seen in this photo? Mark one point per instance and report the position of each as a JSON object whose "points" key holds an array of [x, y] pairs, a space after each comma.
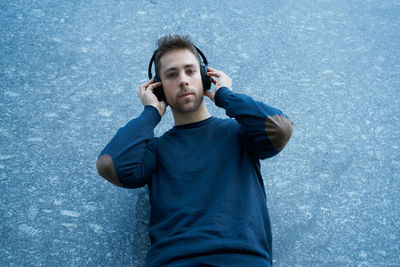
{"points": [[153, 113], [151, 105], [156, 107], [220, 95]]}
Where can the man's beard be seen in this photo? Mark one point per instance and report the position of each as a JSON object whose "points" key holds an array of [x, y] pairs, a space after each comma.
{"points": [[184, 108]]}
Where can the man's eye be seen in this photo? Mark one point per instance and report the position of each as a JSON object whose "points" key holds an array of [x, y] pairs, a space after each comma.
{"points": [[191, 71], [171, 75]]}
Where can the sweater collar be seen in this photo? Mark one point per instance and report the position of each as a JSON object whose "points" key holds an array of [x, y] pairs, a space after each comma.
{"points": [[194, 124]]}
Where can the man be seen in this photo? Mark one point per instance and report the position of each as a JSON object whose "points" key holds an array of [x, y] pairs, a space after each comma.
{"points": [[208, 203]]}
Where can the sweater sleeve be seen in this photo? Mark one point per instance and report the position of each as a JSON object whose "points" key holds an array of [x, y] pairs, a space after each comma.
{"points": [[130, 151], [265, 129]]}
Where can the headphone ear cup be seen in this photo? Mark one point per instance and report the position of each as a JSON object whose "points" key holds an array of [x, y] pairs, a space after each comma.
{"points": [[204, 78], [156, 79], [159, 91]]}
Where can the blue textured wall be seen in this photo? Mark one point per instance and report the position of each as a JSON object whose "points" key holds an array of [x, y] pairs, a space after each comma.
{"points": [[69, 71]]}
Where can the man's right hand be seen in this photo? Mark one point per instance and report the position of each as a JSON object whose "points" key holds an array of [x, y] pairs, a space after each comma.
{"points": [[145, 93]]}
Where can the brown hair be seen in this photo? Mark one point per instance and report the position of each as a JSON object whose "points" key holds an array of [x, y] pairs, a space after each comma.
{"points": [[170, 42]]}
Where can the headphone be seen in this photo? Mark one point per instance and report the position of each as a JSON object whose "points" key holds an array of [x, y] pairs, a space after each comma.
{"points": [[206, 80]]}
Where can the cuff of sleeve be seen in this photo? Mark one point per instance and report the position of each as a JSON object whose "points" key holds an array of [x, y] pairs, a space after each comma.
{"points": [[152, 114], [220, 96]]}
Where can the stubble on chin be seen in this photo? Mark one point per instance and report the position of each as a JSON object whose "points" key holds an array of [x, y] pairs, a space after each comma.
{"points": [[188, 107]]}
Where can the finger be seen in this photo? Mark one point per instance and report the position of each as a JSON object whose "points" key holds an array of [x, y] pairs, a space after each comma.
{"points": [[153, 85], [213, 80], [148, 82], [211, 69], [144, 85], [216, 74]]}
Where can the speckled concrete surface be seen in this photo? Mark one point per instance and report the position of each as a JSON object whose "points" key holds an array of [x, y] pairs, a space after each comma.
{"points": [[68, 77]]}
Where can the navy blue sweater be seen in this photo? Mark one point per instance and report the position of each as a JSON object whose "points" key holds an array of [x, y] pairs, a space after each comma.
{"points": [[208, 202]]}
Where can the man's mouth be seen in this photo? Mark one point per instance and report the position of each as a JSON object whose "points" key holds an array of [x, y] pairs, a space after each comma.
{"points": [[185, 95]]}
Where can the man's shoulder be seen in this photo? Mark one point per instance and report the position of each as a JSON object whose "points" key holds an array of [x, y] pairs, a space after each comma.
{"points": [[227, 122]]}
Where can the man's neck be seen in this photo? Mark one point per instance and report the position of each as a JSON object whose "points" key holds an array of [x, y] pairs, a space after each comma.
{"points": [[197, 115]]}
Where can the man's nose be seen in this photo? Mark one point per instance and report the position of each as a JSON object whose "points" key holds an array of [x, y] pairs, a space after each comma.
{"points": [[183, 80]]}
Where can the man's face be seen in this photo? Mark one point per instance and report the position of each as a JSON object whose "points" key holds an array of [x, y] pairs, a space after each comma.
{"points": [[181, 80]]}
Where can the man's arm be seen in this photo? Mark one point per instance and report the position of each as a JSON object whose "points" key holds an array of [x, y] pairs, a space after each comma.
{"points": [[128, 160], [265, 130]]}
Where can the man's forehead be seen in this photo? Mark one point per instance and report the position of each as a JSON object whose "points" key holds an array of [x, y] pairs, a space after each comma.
{"points": [[178, 58]]}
